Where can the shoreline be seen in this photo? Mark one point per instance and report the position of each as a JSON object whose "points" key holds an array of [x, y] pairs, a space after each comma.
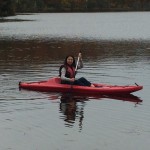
{"points": [[76, 11]]}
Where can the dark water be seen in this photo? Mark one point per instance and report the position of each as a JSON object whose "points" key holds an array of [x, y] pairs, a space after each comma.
{"points": [[41, 121]]}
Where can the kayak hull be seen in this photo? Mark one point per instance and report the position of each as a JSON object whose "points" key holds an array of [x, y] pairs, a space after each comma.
{"points": [[53, 85]]}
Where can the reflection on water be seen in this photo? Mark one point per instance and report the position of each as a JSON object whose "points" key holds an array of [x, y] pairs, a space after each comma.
{"points": [[72, 106], [101, 59], [72, 109], [42, 51]]}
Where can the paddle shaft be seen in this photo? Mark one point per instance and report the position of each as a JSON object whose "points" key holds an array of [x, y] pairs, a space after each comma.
{"points": [[77, 64], [75, 70]]}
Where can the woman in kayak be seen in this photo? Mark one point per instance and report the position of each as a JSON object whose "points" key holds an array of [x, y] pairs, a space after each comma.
{"points": [[67, 72]]}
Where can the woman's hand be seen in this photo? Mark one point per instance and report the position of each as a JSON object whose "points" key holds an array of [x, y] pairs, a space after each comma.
{"points": [[80, 56], [72, 79]]}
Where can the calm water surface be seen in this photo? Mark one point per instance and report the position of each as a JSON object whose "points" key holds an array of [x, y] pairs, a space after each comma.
{"points": [[99, 26], [116, 50]]}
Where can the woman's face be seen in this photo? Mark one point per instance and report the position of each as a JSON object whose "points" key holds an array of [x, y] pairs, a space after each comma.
{"points": [[69, 60]]}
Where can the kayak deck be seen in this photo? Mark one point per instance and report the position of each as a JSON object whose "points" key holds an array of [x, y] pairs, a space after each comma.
{"points": [[54, 85]]}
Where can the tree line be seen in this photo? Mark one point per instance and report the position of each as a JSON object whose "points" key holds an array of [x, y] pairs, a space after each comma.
{"points": [[10, 7]]}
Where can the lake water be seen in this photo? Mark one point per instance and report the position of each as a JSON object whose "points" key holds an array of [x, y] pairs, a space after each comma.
{"points": [[115, 49]]}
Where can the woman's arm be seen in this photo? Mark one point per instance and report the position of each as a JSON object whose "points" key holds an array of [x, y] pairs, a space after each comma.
{"points": [[63, 72]]}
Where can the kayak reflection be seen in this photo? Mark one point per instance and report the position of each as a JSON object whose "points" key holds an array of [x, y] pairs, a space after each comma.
{"points": [[125, 97], [72, 106], [85, 97]]}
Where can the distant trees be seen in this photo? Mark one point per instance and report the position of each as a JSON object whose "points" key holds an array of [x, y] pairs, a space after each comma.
{"points": [[30, 5], [9, 7]]}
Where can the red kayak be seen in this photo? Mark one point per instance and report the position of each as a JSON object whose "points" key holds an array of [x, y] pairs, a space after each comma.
{"points": [[54, 85]]}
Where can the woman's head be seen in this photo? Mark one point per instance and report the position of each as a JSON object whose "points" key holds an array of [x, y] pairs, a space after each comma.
{"points": [[70, 60]]}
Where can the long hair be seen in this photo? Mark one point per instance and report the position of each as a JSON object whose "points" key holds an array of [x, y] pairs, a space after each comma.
{"points": [[74, 62]]}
